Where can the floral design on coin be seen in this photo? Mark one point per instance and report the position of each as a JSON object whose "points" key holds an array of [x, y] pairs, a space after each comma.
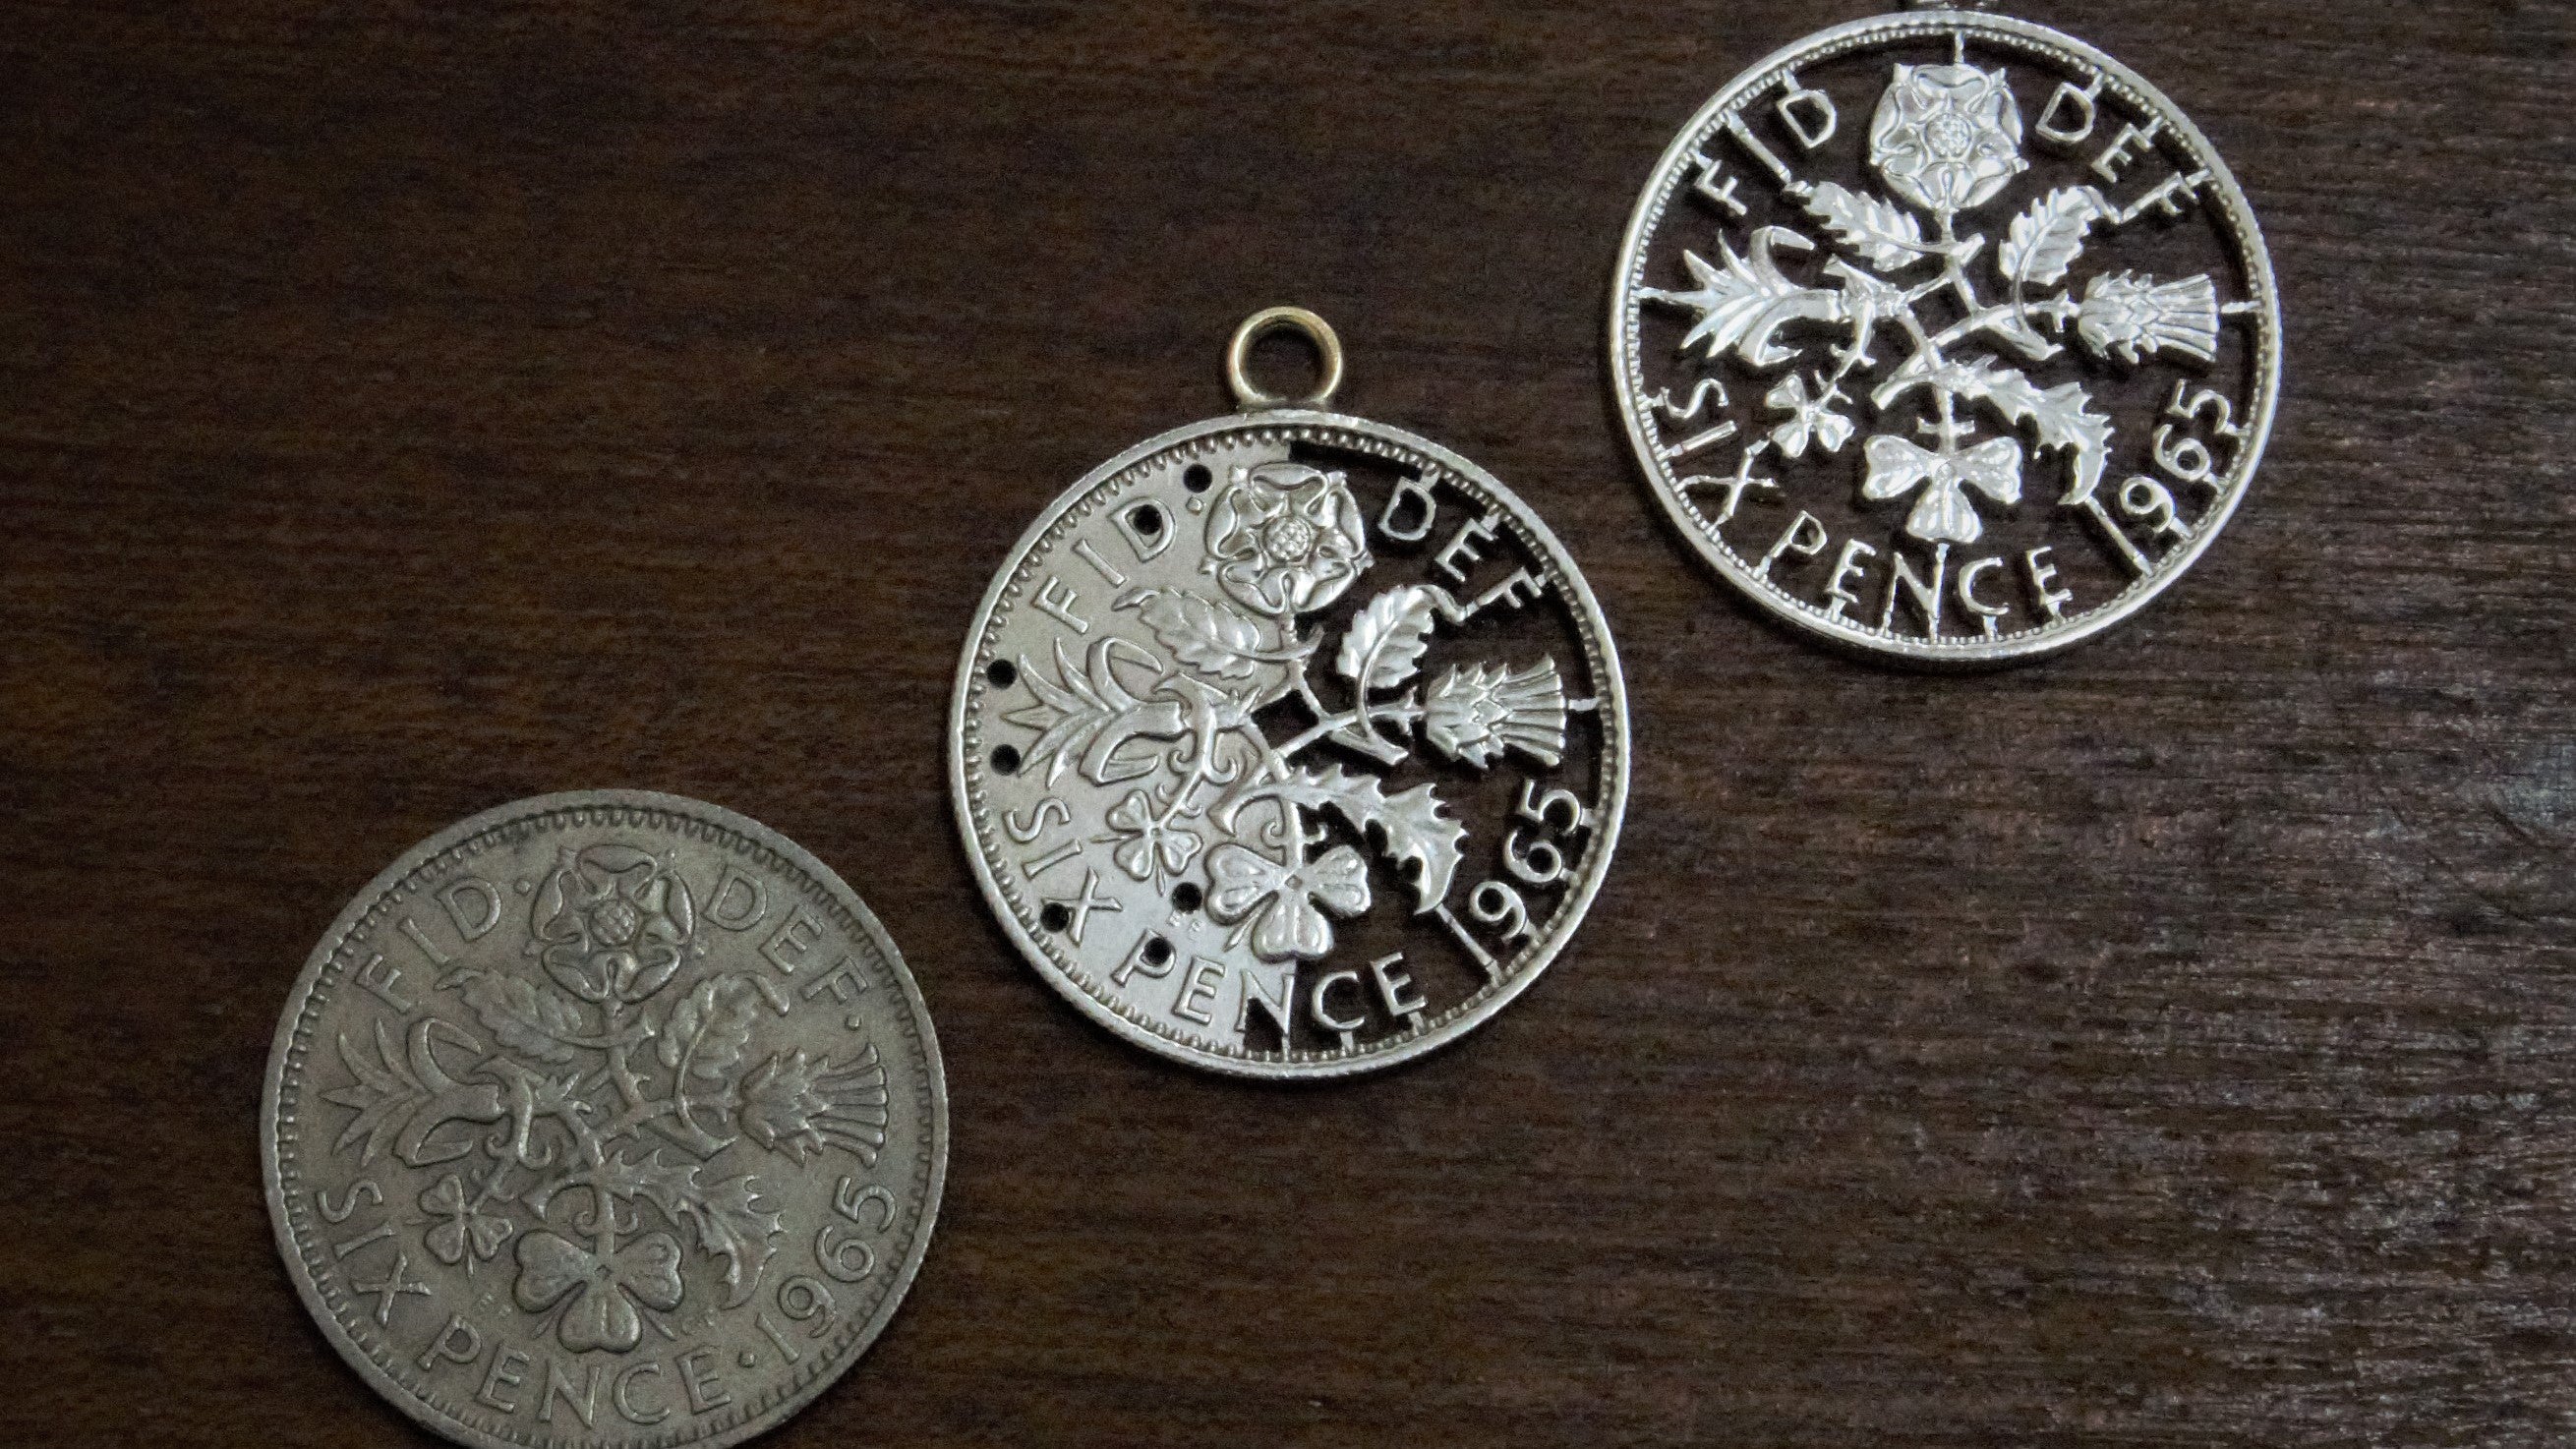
{"points": [[634, 1097], [1992, 364], [1289, 745]]}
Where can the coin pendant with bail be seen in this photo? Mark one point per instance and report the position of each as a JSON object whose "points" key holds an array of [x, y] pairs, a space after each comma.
{"points": [[1946, 337], [1289, 744]]}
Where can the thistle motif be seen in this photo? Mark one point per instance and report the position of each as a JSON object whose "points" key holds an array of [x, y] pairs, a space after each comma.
{"points": [[2137, 317], [801, 1105], [1474, 714]]}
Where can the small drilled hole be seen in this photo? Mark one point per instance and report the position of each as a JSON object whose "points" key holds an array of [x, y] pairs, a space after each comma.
{"points": [[1185, 897], [1148, 519], [1198, 478], [1006, 760], [1003, 674], [1157, 951], [1055, 917]]}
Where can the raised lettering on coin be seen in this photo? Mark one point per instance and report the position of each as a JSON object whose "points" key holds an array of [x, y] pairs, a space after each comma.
{"points": [[567, 1179]]}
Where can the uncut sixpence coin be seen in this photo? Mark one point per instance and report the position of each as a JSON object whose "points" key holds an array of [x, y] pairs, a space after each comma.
{"points": [[1289, 744], [607, 1118]]}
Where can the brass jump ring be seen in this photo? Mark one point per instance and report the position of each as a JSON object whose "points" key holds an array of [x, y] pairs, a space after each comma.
{"points": [[1238, 354]]}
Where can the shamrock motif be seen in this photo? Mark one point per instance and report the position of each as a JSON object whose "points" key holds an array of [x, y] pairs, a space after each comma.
{"points": [[1286, 539], [1150, 842], [606, 1287], [613, 923], [1944, 515], [1288, 897], [1813, 419], [459, 1225], [1947, 137]]}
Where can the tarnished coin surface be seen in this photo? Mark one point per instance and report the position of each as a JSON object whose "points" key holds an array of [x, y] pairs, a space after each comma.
{"points": [[609, 1118], [1946, 337], [1289, 744]]}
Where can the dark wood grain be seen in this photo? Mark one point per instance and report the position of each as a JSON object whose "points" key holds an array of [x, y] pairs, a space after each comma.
{"points": [[409, 408]]}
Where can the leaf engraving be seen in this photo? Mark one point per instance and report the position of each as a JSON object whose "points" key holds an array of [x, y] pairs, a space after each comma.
{"points": [[1889, 238], [1414, 829], [703, 1042], [405, 1095], [1087, 714], [2045, 240], [2062, 416], [1748, 300], [383, 1094], [1210, 636], [2015, 331], [1385, 643], [733, 1224], [526, 1016], [670, 1186]]}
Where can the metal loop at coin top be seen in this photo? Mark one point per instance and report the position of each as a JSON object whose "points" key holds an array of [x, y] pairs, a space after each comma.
{"points": [[1238, 356]]}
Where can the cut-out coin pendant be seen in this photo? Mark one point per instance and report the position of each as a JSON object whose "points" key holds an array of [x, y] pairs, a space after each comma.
{"points": [[1289, 744], [604, 1119], [1945, 336]]}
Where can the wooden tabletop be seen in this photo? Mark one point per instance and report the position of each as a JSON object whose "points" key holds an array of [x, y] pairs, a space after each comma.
{"points": [[411, 408]]}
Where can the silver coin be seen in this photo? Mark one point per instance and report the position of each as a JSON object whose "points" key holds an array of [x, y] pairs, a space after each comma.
{"points": [[607, 1118], [1946, 337], [1289, 744]]}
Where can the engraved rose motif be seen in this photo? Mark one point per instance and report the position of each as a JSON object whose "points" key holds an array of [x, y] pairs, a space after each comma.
{"points": [[1947, 137], [612, 923], [1287, 897], [605, 1287], [1286, 539]]}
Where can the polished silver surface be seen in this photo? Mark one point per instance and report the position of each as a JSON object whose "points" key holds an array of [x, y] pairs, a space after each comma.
{"points": [[609, 1118], [1946, 337], [1289, 744]]}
